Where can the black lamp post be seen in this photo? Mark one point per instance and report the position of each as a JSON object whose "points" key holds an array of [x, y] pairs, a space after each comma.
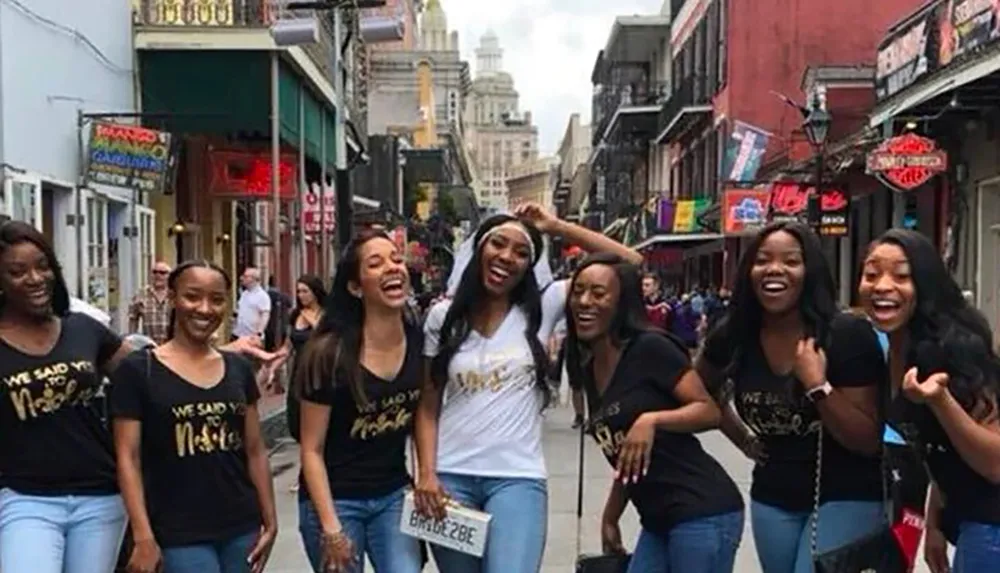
{"points": [[817, 127]]}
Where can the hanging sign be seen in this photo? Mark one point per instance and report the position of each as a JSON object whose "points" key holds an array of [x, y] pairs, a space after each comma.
{"points": [[246, 175], [744, 210], [789, 201], [907, 161], [906, 56], [314, 216], [834, 210], [129, 156]]}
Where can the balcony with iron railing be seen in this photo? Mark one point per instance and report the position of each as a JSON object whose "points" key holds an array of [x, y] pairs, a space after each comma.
{"points": [[228, 15], [636, 98], [689, 103]]}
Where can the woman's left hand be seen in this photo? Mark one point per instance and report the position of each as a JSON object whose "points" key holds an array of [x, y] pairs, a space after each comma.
{"points": [[262, 549], [929, 390], [538, 215], [810, 364], [636, 452]]}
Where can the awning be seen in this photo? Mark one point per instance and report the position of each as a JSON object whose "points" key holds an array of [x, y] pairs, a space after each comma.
{"points": [[672, 239], [983, 65]]}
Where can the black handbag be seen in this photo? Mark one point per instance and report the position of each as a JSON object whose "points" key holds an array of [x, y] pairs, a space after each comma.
{"points": [[609, 563], [877, 552]]}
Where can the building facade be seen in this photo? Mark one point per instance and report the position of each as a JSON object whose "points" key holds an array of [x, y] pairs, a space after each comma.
{"points": [[574, 151], [500, 135], [533, 181], [45, 120]]}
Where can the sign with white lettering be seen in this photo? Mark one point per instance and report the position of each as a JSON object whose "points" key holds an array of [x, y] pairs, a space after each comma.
{"points": [[462, 529], [905, 57]]}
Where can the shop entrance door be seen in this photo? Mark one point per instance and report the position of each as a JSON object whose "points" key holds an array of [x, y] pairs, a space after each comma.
{"points": [[988, 295]]}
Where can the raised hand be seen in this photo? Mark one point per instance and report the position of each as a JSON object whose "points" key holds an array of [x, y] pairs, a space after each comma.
{"points": [[929, 390]]}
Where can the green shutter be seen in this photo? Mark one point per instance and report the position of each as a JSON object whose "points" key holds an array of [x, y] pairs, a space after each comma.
{"points": [[330, 117], [313, 113], [288, 104]]}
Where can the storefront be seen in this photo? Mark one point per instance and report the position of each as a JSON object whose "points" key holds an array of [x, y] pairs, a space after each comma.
{"points": [[686, 249]]}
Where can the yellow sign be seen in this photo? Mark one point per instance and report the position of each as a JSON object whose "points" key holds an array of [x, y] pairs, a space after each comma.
{"points": [[684, 217]]}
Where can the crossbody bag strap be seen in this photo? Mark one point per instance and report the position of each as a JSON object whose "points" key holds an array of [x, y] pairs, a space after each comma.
{"points": [[580, 477]]}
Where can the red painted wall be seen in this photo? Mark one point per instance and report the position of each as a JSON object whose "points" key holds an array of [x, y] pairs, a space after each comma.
{"points": [[772, 42]]}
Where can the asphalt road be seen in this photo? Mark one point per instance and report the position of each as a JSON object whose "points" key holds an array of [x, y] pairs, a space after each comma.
{"points": [[561, 449]]}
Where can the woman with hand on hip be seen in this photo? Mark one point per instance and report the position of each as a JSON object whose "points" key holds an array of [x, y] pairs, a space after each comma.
{"points": [[359, 383], [945, 380], [60, 511], [799, 367], [645, 405], [479, 425], [192, 463]]}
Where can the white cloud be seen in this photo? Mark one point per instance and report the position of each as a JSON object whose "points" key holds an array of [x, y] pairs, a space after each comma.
{"points": [[549, 47]]}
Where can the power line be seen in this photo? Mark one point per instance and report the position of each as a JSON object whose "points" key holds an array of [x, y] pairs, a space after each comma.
{"points": [[71, 32]]}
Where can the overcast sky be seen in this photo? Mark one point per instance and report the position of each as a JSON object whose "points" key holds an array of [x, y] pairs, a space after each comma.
{"points": [[549, 47]]}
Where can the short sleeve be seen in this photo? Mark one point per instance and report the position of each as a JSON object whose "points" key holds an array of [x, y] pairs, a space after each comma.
{"points": [[664, 361], [243, 370], [855, 356], [715, 350], [323, 394], [264, 302], [432, 327], [127, 387], [553, 307], [108, 342]]}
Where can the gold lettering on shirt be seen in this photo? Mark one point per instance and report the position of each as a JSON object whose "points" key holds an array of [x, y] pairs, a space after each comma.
{"points": [[47, 389], [777, 414], [495, 380], [609, 442], [388, 415], [201, 428]]}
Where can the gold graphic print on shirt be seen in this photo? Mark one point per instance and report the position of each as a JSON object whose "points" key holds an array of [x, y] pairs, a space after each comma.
{"points": [[390, 414], [202, 428], [494, 380], [777, 414], [47, 389], [609, 442]]}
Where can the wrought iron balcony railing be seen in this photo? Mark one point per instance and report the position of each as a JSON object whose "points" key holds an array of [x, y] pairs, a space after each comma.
{"points": [[613, 97], [691, 92], [260, 14]]}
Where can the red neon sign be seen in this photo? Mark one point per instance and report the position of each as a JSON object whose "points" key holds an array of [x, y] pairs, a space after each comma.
{"points": [[907, 161], [247, 175]]}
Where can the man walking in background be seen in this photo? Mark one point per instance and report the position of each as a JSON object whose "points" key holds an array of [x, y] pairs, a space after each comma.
{"points": [[150, 310], [254, 307]]}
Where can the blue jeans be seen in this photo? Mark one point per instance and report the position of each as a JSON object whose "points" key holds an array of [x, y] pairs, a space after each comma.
{"points": [[229, 556], [373, 527], [978, 548], [516, 537], [783, 538], [64, 534], [705, 545]]}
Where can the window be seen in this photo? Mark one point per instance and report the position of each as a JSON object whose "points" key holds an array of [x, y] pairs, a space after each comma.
{"points": [[712, 48], [146, 242]]}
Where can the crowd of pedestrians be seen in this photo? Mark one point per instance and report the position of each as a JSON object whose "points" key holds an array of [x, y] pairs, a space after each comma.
{"points": [[852, 420]]}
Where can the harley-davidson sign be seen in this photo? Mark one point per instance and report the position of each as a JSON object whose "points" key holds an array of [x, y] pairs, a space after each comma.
{"points": [[907, 161]]}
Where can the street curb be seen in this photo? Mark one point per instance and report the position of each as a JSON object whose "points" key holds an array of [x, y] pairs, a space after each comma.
{"points": [[274, 427]]}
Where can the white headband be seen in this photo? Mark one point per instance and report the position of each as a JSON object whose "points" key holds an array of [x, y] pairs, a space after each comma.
{"points": [[513, 226]]}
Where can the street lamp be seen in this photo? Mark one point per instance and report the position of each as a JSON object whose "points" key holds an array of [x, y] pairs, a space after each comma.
{"points": [[817, 127]]}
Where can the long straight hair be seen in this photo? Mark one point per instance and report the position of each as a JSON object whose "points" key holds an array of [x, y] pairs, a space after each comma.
{"points": [[471, 291], [332, 356]]}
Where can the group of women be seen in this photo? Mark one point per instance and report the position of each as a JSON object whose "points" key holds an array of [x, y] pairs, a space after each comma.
{"points": [[805, 390]]}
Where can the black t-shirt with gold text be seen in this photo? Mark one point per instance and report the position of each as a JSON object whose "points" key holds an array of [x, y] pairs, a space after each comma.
{"points": [[194, 466], [684, 482], [776, 409], [365, 450], [53, 440]]}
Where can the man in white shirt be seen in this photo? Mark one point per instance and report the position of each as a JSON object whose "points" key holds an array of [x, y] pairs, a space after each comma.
{"points": [[253, 308]]}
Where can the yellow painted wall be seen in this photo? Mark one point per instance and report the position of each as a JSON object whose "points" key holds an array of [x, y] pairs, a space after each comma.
{"points": [[425, 137], [166, 215]]}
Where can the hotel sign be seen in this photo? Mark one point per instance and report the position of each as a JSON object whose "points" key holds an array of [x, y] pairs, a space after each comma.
{"points": [[907, 161]]}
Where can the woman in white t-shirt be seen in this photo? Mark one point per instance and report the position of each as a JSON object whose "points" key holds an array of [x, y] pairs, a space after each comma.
{"points": [[479, 425]]}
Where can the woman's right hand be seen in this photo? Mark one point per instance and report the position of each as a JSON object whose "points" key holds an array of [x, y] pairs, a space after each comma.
{"points": [[753, 448], [338, 552], [146, 557], [430, 498], [611, 537]]}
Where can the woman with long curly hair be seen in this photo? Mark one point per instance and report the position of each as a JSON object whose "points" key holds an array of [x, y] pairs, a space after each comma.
{"points": [[358, 379], [645, 405], [479, 425], [945, 378], [60, 510], [803, 374]]}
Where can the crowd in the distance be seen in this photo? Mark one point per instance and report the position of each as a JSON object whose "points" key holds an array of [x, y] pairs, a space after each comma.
{"points": [[848, 439]]}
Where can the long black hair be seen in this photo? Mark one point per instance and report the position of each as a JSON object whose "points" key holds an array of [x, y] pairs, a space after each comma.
{"points": [[175, 276], [318, 289], [738, 332], [333, 353], [17, 232], [943, 318], [630, 319], [471, 291]]}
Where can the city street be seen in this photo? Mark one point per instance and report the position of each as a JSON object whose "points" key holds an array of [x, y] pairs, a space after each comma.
{"points": [[561, 450]]}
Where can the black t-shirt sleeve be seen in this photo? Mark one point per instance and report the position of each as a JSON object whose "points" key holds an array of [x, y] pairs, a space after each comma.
{"points": [[716, 351], [242, 368], [107, 341], [127, 387], [661, 360], [855, 358]]}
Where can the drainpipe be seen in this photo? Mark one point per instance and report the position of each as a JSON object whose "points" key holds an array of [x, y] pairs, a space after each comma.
{"points": [[275, 168], [78, 203], [345, 212]]}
